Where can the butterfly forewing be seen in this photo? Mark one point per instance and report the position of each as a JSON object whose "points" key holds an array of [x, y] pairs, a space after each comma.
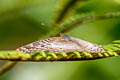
{"points": [[54, 44], [61, 44]]}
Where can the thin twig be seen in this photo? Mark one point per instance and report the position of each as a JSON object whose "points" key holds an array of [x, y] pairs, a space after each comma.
{"points": [[7, 66], [50, 57], [65, 8], [109, 15]]}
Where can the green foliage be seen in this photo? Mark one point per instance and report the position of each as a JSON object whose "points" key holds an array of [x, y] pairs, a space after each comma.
{"points": [[24, 21]]}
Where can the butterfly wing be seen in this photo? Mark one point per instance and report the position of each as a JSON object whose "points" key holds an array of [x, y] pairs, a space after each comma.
{"points": [[89, 47], [54, 44], [61, 44]]}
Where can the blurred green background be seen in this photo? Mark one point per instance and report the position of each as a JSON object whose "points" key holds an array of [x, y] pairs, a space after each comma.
{"points": [[21, 22]]}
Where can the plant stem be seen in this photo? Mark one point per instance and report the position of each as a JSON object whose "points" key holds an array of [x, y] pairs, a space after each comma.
{"points": [[7, 66], [67, 27]]}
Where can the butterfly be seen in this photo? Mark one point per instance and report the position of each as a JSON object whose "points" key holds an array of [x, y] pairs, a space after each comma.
{"points": [[64, 43]]}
